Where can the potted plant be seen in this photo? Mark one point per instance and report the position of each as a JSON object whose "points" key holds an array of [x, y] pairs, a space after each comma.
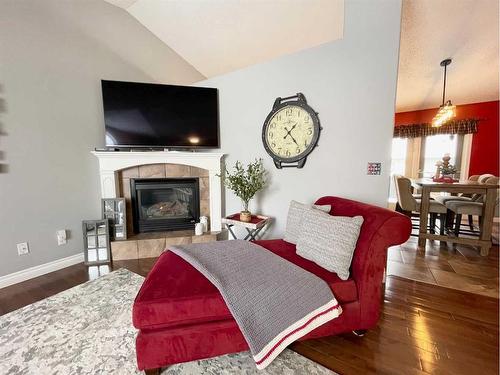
{"points": [[245, 183], [448, 171]]}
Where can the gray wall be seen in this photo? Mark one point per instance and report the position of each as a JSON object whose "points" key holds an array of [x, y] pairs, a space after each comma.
{"points": [[351, 83], [53, 54]]}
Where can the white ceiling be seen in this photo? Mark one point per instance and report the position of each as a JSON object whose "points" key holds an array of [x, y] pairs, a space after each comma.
{"points": [[432, 30], [220, 36]]}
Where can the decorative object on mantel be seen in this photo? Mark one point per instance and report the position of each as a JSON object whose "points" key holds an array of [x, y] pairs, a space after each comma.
{"points": [[245, 183], [253, 227], [445, 172], [96, 245], [446, 110], [204, 221], [113, 209], [198, 229], [291, 131]]}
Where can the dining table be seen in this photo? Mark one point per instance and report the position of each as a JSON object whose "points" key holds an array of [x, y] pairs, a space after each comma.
{"points": [[489, 191]]}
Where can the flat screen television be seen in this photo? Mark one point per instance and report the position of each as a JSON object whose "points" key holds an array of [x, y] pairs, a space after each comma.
{"points": [[154, 116]]}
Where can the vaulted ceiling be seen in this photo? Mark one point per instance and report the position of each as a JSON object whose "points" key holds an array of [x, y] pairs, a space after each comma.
{"points": [[432, 30], [220, 36]]}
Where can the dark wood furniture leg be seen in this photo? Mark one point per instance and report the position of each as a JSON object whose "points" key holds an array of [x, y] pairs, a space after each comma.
{"points": [[471, 222], [442, 223], [450, 218], [458, 221], [153, 371], [230, 229], [432, 225]]}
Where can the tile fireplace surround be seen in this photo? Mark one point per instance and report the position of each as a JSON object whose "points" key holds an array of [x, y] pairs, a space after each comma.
{"points": [[116, 169]]}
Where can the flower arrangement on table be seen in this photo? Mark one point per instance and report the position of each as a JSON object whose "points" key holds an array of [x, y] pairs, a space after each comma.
{"points": [[445, 172], [245, 183]]}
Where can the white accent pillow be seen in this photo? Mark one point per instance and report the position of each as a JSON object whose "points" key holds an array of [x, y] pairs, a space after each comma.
{"points": [[294, 220], [329, 241]]}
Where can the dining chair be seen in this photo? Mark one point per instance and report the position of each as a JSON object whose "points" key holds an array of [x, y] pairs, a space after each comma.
{"points": [[415, 195], [443, 199], [411, 205], [471, 208]]}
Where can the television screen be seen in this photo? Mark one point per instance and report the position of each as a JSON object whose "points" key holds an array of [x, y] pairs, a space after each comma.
{"points": [[153, 115]]}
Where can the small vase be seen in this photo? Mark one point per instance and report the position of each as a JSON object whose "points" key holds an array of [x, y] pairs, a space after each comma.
{"points": [[245, 216], [198, 229], [204, 221]]}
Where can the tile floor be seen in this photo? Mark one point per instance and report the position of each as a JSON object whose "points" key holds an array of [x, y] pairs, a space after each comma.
{"points": [[458, 267]]}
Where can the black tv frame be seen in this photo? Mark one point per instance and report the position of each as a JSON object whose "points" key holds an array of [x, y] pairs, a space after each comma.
{"points": [[159, 147]]}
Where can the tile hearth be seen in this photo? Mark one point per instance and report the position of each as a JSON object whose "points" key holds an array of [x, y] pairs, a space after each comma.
{"points": [[151, 245]]}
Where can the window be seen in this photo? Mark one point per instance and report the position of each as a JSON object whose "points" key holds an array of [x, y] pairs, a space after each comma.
{"points": [[417, 157], [398, 161], [433, 149]]}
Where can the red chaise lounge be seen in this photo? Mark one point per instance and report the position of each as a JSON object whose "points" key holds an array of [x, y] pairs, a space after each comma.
{"points": [[182, 317]]}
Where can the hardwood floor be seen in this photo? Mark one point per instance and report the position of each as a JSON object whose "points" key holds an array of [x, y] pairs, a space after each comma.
{"points": [[423, 328], [16, 296]]}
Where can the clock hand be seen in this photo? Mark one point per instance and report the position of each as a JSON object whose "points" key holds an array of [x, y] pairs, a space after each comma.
{"points": [[289, 131], [293, 139]]}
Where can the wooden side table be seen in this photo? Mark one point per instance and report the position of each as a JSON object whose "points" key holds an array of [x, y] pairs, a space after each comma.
{"points": [[253, 228]]}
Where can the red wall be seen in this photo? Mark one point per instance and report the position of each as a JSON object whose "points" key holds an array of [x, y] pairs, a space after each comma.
{"points": [[485, 143]]}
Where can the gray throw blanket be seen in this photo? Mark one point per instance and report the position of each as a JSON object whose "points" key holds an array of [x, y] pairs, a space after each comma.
{"points": [[273, 301]]}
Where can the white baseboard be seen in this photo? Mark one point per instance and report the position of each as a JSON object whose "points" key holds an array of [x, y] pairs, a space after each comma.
{"points": [[42, 269]]}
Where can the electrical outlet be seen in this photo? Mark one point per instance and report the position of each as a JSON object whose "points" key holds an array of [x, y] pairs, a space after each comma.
{"points": [[61, 237], [22, 248]]}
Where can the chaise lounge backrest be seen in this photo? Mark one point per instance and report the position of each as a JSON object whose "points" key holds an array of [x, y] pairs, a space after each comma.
{"points": [[381, 229]]}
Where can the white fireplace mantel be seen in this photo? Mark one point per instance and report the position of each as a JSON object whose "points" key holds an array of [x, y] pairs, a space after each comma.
{"points": [[111, 162]]}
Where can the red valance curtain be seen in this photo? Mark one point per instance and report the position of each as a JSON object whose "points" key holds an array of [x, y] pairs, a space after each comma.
{"points": [[466, 126]]}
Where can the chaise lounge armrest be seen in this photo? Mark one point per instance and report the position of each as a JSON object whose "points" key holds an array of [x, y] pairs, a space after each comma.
{"points": [[381, 229]]}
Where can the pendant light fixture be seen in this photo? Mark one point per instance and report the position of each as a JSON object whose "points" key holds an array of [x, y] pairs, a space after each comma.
{"points": [[447, 110]]}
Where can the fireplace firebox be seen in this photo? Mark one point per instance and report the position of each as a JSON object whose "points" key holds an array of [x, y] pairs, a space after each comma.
{"points": [[164, 204]]}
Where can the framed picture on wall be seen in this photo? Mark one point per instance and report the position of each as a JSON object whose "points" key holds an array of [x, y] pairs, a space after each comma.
{"points": [[113, 209]]}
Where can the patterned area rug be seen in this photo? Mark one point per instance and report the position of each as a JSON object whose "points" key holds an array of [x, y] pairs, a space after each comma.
{"points": [[87, 330]]}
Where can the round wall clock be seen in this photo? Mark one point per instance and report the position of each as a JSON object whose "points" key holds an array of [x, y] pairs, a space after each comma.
{"points": [[291, 131]]}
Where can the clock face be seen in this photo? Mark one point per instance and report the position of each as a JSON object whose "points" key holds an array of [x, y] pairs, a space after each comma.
{"points": [[290, 132]]}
